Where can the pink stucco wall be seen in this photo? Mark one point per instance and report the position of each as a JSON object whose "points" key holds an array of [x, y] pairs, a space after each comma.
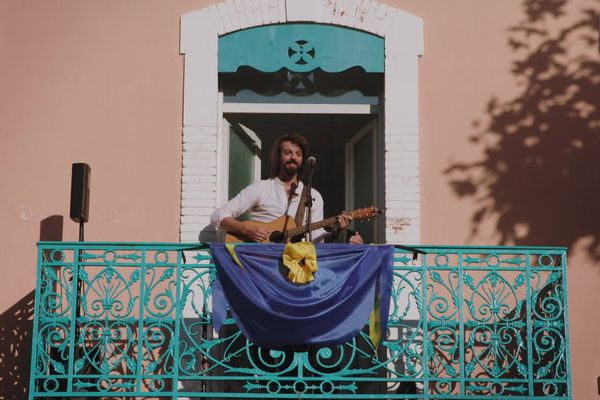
{"points": [[102, 81], [537, 186]]}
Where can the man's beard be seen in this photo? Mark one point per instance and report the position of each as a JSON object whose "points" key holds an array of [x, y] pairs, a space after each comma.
{"points": [[291, 168]]}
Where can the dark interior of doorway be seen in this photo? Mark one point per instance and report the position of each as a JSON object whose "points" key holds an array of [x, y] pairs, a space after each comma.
{"points": [[327, 135]]}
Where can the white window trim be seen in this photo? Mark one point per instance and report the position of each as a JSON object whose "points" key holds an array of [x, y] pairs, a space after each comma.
{"points": [[403, 35], [275, 108]]}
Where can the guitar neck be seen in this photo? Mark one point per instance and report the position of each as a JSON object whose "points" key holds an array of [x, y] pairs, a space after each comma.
{"points": [[290, 233]]}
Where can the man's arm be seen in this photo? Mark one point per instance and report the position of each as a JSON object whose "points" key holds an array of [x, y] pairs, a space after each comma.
{"points": [[253, 234], [224, 217], [344, 220], [339, 231]]}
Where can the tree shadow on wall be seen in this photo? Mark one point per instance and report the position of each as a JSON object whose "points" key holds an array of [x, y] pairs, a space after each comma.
{"points": [[15, 349], [538, 178], [16, 326]]}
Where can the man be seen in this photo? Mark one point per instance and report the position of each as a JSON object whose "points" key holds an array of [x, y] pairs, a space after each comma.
{"points": [[268, 200], [280, 195]]}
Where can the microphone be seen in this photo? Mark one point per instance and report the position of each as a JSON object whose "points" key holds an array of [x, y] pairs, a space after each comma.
{"points": [[311, 161]]}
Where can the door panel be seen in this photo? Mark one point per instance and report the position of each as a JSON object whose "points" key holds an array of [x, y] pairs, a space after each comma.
{"points": [[361, 177], [244, 158]]}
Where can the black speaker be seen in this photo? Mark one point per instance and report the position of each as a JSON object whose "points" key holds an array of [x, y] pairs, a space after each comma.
{"points": [[80, 192]]}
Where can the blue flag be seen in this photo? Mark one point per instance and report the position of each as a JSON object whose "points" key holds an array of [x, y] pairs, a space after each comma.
{"points": [[351, 283]]}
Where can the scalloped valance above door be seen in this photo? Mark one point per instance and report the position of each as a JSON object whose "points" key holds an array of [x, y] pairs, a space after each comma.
{"points": [[301, 48]]}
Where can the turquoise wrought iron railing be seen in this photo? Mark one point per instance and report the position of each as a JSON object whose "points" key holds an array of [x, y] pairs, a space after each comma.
{"points": [[125, 320]]}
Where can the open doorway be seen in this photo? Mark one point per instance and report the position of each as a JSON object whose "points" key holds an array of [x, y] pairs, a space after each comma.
{"points": [[348, 172]]}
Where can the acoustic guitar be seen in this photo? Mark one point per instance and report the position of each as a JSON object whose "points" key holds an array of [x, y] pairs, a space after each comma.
{"points": [[292, 231]]}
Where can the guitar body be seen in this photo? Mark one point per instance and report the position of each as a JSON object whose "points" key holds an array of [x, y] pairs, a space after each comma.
{"points": [[282, 232], [273, 227]]}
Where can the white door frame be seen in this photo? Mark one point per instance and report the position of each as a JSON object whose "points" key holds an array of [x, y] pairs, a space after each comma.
{"points": [[202, 113], [222, 183]]}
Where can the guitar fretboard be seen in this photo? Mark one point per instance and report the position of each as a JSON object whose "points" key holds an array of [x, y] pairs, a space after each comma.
{"points": [[290, 233]]}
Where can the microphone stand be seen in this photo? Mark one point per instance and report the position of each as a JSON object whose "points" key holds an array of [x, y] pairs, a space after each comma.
{"points": [[283, 236], [309, 200]]}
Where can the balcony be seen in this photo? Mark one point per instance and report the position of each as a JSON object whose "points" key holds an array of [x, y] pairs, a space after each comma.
{"points": [[126, 320]]}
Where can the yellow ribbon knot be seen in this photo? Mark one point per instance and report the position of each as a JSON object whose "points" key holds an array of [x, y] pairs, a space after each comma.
{"points": [[301, 259]]}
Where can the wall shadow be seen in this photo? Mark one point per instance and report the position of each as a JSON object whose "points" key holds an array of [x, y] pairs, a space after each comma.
{"points": [[16, 326], [538, 176], [51, 228], [210, 234]]}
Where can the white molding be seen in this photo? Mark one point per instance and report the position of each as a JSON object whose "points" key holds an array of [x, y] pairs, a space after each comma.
{"points": [[261, 12], [223, 170], [231, 14], [222, 173], [278, 108], [371, 20], [282, 11], [200, 23], [301, 10], [256, 13], [361, 20], [403, 34], [241, 14]]}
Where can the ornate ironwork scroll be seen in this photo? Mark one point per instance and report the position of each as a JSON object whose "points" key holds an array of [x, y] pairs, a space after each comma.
{"points": [[465, 323]]}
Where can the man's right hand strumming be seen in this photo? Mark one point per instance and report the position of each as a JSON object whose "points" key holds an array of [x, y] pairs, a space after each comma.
{"points": [[256, 234], [250, 233]]}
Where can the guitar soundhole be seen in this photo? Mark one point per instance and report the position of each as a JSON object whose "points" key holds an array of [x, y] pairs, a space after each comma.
{"points": [[276, 237]]}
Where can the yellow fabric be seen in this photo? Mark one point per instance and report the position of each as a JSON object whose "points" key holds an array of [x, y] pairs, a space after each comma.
{"points": [[301, 259], [375, 324], [231, 250]]}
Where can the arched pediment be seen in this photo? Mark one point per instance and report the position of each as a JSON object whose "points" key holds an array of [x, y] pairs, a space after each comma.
{"points": [[364, 15]]}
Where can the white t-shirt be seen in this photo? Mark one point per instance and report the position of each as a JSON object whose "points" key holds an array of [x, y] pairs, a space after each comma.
{"points": [[267, 200]]}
